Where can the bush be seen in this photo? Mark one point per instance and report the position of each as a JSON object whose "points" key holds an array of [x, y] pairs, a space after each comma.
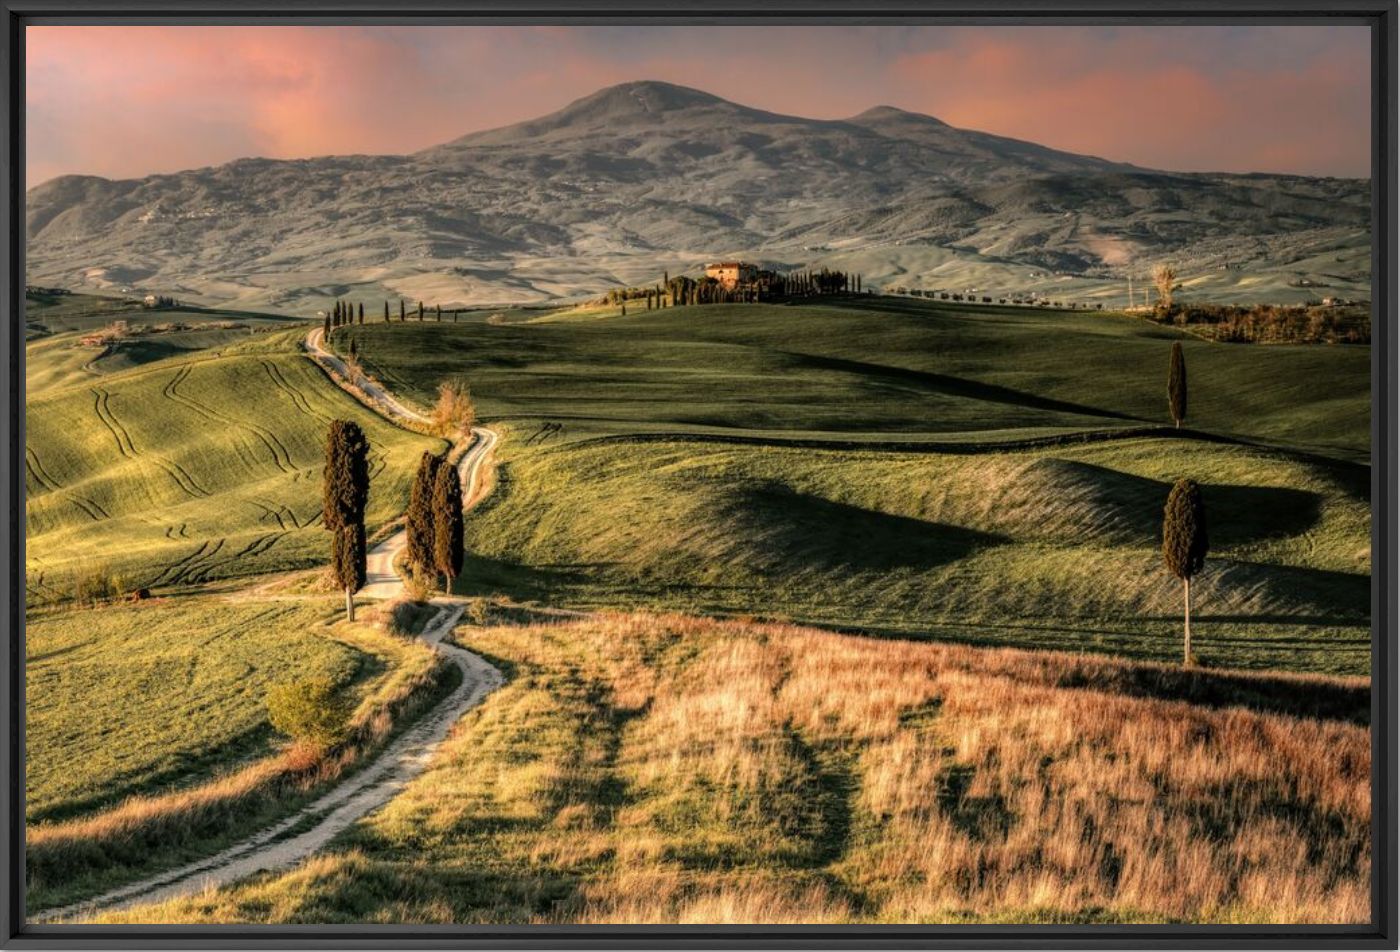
{"points": [[95, 583], [313, 713]]}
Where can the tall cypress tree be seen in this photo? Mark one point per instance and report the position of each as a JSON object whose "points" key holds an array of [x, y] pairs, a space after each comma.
{"points": [[420, 310], [327, 332], [419, 520], [438, 308], [345, 493], [386, 311], [1185, 542], [447, 524], [362, 312], [402, 315], [1176, 385]]}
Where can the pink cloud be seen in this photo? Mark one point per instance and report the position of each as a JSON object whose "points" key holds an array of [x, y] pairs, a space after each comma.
{"points": [[129, 101]]}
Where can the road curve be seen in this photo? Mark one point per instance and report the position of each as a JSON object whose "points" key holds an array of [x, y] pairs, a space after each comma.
{"points": [[377, 783], [381, 580]]}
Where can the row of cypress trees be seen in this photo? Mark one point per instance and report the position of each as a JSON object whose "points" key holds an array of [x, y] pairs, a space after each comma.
{"points": [[344, 313], [436, 527]]}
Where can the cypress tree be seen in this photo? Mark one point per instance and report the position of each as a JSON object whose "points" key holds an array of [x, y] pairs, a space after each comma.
{"points": [[1184, 542], [420, 310], [386, 311], [402, 316], [1176, 385], [439, 313], [345, 493], [447, 524], [419, 520], [328, 326], [362, 312]]}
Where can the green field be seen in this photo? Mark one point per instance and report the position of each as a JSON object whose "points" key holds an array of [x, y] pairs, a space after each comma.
{"points": [[191, 468], [902, 468], [186, 679], [875, 370]]}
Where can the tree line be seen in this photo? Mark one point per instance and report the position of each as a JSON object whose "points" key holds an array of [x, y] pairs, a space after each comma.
{"points": [[344, 313]]}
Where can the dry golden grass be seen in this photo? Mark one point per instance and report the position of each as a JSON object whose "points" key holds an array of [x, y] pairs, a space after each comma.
{"points": [[668, 769]]}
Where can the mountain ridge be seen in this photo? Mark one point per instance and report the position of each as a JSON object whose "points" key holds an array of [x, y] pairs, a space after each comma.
{"points": [[646, 176]]}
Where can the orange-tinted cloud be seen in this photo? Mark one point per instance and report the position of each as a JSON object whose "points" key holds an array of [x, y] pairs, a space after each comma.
{"points": [[128, 101]]}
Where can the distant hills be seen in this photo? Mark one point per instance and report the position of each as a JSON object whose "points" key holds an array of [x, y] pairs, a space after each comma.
{"points": [[647, 176]]}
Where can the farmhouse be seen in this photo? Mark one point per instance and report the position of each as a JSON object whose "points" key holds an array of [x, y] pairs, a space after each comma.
{"points": [[731, 274]]}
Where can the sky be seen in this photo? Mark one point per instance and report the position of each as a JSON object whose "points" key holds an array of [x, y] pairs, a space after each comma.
{"points": [[129, 101]]}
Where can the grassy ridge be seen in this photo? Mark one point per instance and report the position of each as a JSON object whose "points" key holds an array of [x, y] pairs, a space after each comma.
{"points": [[620, 490], [645, 769], [1048, 548], [194, 469], [888, 366]]}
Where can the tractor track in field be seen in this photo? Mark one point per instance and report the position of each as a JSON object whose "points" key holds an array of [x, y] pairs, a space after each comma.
{"points": [[87, 506], [177, 473], [281, 458]]}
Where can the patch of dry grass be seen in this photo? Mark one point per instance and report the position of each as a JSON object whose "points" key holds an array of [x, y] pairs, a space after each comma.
{"points": [[668, 769]]}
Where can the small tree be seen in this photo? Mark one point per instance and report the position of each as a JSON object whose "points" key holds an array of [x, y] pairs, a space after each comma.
{"points": [[310, 712], [454, 414], [1164, 277], [1176, 384], [345, 493], [447, 524], [419, 519], [1184, 542]]}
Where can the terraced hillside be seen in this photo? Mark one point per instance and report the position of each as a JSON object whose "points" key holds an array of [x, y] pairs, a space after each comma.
{"points": [[192, 468], [901, 468]]}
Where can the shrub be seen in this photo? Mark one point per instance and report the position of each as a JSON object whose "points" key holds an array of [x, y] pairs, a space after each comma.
{"points": [[313, 712]]}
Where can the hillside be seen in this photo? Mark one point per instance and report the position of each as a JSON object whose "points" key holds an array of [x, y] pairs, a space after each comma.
{"points": [[993, 476], [662, 769], [648, 176], [189, 468]]}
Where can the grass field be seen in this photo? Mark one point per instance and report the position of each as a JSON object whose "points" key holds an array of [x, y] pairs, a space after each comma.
{"points": [[663, 769], [148, 743], [193, 468], [878, 369], [904, 468], [188, 677]]}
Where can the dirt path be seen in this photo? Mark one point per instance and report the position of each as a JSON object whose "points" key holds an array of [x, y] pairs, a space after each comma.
{"points": [[307, 831], [381, 581], [280, 845]]}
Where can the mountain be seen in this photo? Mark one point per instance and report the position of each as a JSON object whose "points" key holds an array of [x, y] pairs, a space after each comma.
{"points": [[647, 176]]}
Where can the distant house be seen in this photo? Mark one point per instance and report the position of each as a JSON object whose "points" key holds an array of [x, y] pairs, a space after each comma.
{"points": [[731, 274], [151, 300]]}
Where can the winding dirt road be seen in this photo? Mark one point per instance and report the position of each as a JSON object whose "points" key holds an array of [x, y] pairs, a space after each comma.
{"points": [[369, 788]]}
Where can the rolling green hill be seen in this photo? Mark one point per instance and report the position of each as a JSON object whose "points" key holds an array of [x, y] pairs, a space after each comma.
{"points": [[878, 369], [994, 476], [189, 469]]}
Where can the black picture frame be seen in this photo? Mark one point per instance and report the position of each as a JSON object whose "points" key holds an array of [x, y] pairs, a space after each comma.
{"points": [[1380, 15]]}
